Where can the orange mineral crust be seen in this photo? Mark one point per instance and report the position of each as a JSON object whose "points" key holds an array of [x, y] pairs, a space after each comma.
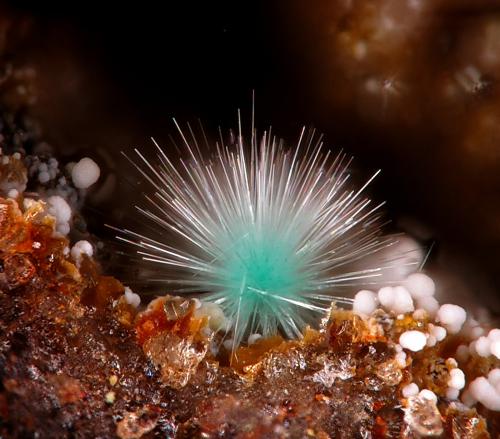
{"points": [[76, 359]]}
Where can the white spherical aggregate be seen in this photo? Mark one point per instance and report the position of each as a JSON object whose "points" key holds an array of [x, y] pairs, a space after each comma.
{"points": [[132, 298], [81, 248], [482, 346], [61, 211], [59, 208], [452, 317], [85, 173], [365, 302], [438, 332], [403, 302], [413, 340], [420, 285], [482, 390], [495, 348], [386, 297], [429, 304], [457, 379]]}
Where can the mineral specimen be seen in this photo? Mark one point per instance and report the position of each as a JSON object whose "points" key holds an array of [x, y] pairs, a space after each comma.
{"points": [[69, 367]]}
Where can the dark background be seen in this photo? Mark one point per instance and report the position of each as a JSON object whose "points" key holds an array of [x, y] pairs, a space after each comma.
{"points": [[111, 76]]}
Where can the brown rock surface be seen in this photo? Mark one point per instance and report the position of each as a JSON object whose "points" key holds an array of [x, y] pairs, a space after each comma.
{"points": [[70, 369]]}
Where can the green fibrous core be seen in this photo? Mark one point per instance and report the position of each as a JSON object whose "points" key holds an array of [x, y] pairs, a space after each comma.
{"points": [[261, 277], [260, 263], [268, 234]]}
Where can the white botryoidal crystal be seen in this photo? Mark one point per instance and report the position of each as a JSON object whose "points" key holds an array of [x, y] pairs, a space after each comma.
{"points": [[61, 211], [85, 173], [487, 345], [429, 304], [486, 390], [132, 298], [396, 299], [413, 340], [81, 248], [420, 285], [436, 334], [452, 317], [365, 302], [457, 379]]}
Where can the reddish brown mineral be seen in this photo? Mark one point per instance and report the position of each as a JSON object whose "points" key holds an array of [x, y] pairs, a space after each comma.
{"points": [[173, 338], [76, 358]]}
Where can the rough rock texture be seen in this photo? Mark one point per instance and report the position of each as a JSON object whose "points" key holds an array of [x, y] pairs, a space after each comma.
{"points": [[76, 361]]}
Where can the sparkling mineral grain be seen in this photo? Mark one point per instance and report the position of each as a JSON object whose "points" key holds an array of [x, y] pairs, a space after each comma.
{"points": [[77, 359], [423, 417], [173, 338]]}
